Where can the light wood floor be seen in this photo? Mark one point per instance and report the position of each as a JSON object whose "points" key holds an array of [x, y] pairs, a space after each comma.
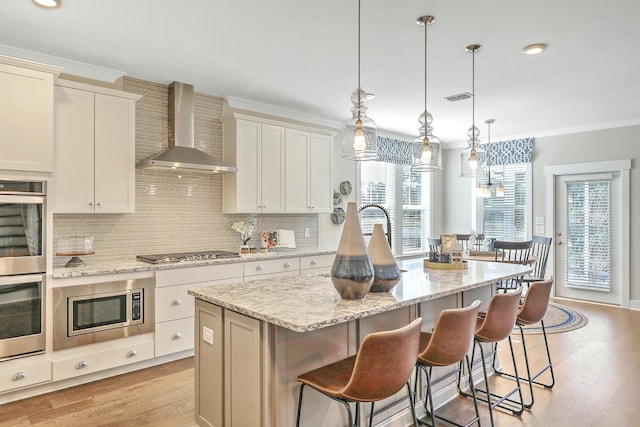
{"points": [[597, 383]]}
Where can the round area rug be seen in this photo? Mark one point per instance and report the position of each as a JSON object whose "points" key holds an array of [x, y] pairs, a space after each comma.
{"points": [[559, 318]]}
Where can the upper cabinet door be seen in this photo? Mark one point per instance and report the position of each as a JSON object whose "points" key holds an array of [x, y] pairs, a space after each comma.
{"points": [[297, 175], [246, 189], [26, 117], [115, 154], [272, 169], [320, 194], [74, 151]]}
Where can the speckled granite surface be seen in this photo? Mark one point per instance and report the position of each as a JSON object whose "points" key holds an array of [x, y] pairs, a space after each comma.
{"points": [[304, 303], [130, 266]]}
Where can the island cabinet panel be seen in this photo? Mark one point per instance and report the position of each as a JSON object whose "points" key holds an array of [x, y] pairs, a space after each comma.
{"points": [[26, 123], [209, 366]]}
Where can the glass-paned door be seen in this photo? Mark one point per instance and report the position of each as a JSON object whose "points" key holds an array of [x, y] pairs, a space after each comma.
{"points": [[586, 237]]}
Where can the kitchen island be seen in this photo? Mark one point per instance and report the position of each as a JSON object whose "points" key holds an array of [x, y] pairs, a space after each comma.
{"points": [[253, 339]]}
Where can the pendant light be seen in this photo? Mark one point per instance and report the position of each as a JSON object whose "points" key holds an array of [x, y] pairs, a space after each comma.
{"points": [[487, 189], [360, 140], [472, 157], [427, 154]]}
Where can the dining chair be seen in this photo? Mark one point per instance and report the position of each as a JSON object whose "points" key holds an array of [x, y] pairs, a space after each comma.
{"points": [[434, 244], [540, 250], [463, 239], [514, 253], [382, 366]]}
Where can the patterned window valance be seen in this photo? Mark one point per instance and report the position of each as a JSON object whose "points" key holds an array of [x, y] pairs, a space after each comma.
{"points": [[510, 152], [392, 150]]}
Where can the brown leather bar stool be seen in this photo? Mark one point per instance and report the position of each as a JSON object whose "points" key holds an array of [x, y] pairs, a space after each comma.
{"points": [[492, 327], [532, 311], [448, 344], [382, 366]]}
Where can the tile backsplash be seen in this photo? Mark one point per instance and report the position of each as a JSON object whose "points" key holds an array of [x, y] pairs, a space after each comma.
{"points": [[174, 212]]}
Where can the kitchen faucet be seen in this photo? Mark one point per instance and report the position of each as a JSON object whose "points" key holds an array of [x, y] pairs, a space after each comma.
{"points": [[386, 214]]}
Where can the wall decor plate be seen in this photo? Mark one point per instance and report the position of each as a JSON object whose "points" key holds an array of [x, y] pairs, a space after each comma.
{"points": [[337, 216], [345, 188], [337, 198]]}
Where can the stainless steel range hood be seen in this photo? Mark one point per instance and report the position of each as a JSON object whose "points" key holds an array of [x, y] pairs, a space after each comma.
{"points": [[181, 153]]}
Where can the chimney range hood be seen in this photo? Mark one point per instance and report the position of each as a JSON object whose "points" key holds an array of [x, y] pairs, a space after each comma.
{"points": [[181, 154]]}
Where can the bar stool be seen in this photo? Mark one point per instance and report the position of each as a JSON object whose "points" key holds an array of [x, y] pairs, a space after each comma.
{"points": [[448, 344], [382, 366], [494, 326], [532, 311]]}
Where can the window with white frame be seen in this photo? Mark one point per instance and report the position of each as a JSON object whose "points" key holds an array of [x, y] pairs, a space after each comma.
{"points": [[507, 216], [405, 195]]}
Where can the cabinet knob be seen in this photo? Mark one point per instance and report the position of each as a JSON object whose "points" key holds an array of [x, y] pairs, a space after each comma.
{"points": [[287, 265], [90, 203], [99, 204], [176, 301], [130, 354], [314, 262], [82, 364], [176, 336], [19, 376], [259, 267]]}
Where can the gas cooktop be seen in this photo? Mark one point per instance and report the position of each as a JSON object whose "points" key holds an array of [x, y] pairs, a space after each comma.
{"points": [[186, 256]]}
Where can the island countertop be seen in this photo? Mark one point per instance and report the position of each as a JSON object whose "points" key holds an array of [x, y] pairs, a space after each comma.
{"points": [[308, 302]]}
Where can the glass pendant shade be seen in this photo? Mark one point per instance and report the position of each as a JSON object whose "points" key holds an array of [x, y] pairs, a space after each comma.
{"points": [[499, 191], [466, 161], [426, 155], [360, 133]]}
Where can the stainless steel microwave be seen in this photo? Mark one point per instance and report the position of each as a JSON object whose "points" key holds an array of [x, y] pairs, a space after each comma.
{"points": [[86, 314]]}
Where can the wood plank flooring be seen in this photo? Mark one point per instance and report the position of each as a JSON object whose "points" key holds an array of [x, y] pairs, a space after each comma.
{"points": [[597, 384]]}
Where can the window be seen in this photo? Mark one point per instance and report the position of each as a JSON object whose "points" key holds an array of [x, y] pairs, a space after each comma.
{"points": [[405, 195], [506, 218]]}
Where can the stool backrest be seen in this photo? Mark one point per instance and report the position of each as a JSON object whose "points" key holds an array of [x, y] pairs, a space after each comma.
{"points": [[384, 363], [536, 302], [451, 336], [500, 317], [541, 248]]}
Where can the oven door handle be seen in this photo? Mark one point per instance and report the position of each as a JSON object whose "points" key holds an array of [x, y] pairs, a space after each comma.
{"points": [[20, 280]]}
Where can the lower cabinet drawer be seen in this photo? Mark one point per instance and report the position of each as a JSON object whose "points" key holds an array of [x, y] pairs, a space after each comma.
{"points": [[174, 336], [99, 361], [22, 373]]}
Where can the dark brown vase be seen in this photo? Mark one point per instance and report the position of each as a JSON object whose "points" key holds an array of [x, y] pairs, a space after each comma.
{"points": [[385, 268], [352, 270]]}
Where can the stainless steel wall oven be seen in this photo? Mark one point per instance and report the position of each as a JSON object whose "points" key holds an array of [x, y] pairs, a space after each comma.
{"points": [[23, 213]]}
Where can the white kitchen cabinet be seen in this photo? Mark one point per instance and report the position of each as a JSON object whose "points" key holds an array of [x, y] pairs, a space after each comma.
{"points": [[24, 372], [94, 156], [26, 115], [315, 264], [308, 172], [270, 268], [257, 149], [174, 307]]}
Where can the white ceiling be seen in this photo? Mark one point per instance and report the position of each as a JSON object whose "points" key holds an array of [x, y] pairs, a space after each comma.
{"points": [[301, 55]]}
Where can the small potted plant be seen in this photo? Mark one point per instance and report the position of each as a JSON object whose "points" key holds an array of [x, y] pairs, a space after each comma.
{"points": [[245, 228]]}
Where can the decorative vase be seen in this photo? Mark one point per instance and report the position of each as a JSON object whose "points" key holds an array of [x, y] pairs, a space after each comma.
{"points": [[244, 249], [385, 268], [352, 270]]}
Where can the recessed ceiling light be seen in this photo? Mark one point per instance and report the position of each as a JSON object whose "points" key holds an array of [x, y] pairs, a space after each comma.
{"points": [[49, 4], [534, 49]]}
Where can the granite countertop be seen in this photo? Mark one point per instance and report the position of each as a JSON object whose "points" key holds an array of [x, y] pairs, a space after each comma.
{"points": [[132, 265], [305, 303]]}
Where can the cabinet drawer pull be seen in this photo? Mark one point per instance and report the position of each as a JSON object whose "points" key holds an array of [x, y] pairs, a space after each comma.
{"points": [[19, 376], [130, 354], [259, 267], [314, 262], [176, 301], [287, 265], [176, 336], [82, 364]]}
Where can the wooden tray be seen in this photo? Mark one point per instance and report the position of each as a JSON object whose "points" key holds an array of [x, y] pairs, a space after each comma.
{"points": [[445, 265]]}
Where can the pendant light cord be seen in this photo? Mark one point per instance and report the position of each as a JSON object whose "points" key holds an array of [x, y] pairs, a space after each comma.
{"points": [[473, 99], [359, 90], [426, 23]]}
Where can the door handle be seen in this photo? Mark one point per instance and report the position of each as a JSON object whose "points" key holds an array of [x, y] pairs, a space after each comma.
{"points": [[559, 243]]}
